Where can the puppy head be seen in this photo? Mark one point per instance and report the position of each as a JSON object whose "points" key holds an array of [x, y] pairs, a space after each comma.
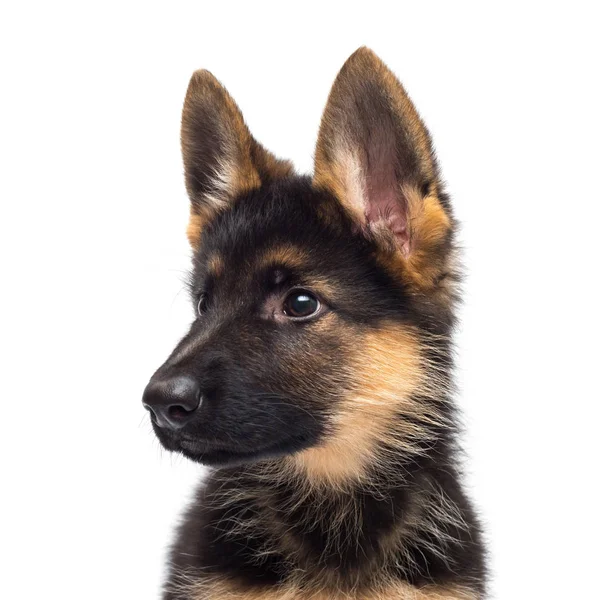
{"points": [[323, 303]]}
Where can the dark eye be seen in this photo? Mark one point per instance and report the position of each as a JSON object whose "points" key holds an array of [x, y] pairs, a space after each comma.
{"points": [[301, 304], [202, 305]]}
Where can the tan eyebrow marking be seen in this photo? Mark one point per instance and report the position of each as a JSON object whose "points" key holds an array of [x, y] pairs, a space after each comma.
{"points": [[215, 265], [285, 255], [296, 258]]}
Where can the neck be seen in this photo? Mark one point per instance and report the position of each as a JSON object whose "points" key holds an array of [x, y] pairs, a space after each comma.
{"points": [[412, 525]]}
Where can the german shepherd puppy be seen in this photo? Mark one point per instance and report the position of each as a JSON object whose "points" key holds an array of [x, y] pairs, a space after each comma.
{"points": [[316, 378]]}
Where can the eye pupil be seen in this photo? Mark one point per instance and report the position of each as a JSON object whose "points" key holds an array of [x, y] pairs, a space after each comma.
{"points": [[301, 304]]}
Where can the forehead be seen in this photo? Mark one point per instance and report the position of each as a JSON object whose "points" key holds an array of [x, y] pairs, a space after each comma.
{"points": [[285, 224]]}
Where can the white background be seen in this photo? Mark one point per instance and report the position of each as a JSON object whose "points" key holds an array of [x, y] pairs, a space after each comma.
{"points": [[93, 251]]}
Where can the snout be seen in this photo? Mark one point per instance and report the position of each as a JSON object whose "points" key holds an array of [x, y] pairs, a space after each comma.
{"points": [[172, 400]]}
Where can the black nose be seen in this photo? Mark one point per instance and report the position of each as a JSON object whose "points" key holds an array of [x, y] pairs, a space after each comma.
{"points": [[173, 400]]}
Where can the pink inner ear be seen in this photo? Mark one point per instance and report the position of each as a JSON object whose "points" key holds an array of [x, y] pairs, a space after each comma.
{"points": [[386, 208]]}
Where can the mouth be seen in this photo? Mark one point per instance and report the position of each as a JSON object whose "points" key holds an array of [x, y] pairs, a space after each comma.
{"points": [[217, 453]]}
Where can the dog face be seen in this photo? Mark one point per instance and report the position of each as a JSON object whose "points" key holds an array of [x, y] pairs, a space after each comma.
{"points": [[323, 302]]}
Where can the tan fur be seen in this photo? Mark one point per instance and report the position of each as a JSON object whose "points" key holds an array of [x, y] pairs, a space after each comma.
{"points": [[343, 177], [429, 226], [292, 257], [222, 589], [288, 256], [215, 265], [194, 228], [388, 367]]}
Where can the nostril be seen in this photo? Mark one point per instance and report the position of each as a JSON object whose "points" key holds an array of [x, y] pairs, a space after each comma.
{"points": [[184, 394], [178, 412], [172, 401]]}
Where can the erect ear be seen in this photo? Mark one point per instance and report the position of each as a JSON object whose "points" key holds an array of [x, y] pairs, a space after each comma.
{"points": [[221, 158], [375, 155]]}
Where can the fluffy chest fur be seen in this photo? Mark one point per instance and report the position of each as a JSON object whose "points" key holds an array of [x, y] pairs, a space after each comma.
{"points": [[253, 533]]}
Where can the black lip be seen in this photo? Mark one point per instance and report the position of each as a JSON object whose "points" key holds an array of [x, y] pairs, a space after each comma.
{"points": [[215, 453], [221, 455]]}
